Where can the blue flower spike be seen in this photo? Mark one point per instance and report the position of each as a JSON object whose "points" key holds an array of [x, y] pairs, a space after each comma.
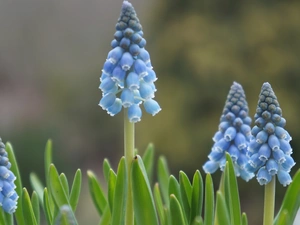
{"points": [[8, 195], [128, 77], [269, 149], [233, 135]]}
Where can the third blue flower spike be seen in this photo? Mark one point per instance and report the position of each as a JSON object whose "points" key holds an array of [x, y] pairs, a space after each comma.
{"points": [[233, 135], [128, 78], [269, 148]]}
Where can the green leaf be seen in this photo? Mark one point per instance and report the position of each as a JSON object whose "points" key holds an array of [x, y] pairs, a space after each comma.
{"points": [[28, 212], [174, 188], [106, 169], [47, 207], [96, 192], [177, 216], [35, 206], [37, 186], [112, 178], [222, 215], [197, 221], [119, 202], [2, 216], [186, 193], [65, 183], [18, 182], [232, 192], [197, 196], [245, 220], [284, 218], [48, 160], [143, 201], [75, 190], [209, 201], [148, 159], [106, 217], [9, 219], [159, 204], [291, 201], [163, 178]]}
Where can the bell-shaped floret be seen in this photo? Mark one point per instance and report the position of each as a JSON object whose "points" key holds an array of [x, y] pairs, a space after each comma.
{"points": [[262, 137], [254, 161], [279, 156], [284, 177], [221, 145], [134, 49], [115, 108], [240, 141], [146, 90], [264, 152], [126, 61], [230, 134], [285, 147], [107, 100], [272, 167], [108, 67], [115, 55], [127, 97], [280, 132], [223, 126], [246, 130], [9, 205], [132, 81], [269, 128], [263, 177], [218, 135], [125, 43], [151, 106], [137, 97], [107, 84], [140, 68], [234, 153], [210, 167], [142, 43], [215, 156], [273, 142], [151, 77], [134, 113], [144, 55], [288, 164]]}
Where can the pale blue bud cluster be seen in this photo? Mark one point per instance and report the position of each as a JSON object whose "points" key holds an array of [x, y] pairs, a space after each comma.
{"points": [[269, 148], [233, 135], [8, 195], [127, 78]]}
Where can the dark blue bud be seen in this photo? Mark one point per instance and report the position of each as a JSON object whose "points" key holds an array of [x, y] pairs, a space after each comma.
{"points": [[235, 109], [262, 137], [127, 98], [263, 177], [140, 68], [264, 152], [234, 153], [136, 38], [142, 43], [118, 35], [230, 134], [282, 122], [243, 114], [280, 132], [273, 142], [272, 167], [276, 118], [125, 43], [134, 113], [237, 122], [134, 49], [266, 115], [229, 116], [114, 43], [279, 156], [284, 177], [240, 141], [285, 147], [247, 120], [126, 61], [269, 128], [260, 122], [128, 32], [218, 136], [210, 167]]}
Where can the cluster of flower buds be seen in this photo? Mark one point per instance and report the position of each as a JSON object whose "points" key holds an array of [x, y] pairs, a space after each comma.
{"points": [[233, 135], [127, 78], [269, 148], [8, 195]]}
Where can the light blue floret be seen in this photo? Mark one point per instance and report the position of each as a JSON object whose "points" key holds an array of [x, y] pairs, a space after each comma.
{"points": [[269, 149], [127, 76], [233, 135]]}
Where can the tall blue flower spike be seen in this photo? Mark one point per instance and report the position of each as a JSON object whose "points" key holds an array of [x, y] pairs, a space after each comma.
{"points": [[269, 148], [233, 135], [127, 78], [8, 195]]}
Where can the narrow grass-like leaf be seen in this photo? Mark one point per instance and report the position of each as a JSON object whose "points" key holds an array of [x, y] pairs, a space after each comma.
{"points": [[222, 213], [186, 191], [291, 201], [96, 192], [65, 183], [197, 221], [174, 188], [143, 201], [209, 201], [106, 217], [112, 178], [106, 169], [28, 213], [2, 217], [35, 206], [177, 216], [9, 219], [48, 160], [284, 219], [47, 208], [231, 188], [119, 204], [163, 178], [197, 196], [75, 190], [159, 204], [148, 159], [37, 186], [245, 219], [18, 182]]}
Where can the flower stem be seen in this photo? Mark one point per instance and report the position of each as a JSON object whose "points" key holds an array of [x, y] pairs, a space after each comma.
{"points": [[269, 203], [129, 155]]}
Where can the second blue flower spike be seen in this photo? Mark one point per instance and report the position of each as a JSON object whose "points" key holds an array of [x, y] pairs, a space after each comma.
{"points": [[127, 78], [233, 135]]}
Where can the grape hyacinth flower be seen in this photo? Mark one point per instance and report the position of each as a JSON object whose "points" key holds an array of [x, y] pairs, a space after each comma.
{"points": [[8, 195], [127, 78], [269, 148], [233, 135]]}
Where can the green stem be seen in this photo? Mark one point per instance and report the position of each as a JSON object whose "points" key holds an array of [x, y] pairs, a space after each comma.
{"points": [[269, 203], [129, 155]]}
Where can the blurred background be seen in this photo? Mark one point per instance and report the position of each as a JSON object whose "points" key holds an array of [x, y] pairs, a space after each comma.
{"points": [[51, 56]]}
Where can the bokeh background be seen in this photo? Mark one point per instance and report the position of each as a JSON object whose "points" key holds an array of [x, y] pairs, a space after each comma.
{"points": [[51, 56]]}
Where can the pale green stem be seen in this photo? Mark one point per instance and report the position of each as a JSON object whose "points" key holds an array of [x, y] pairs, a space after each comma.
{"points": [[269, 203], [129, 154]]}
